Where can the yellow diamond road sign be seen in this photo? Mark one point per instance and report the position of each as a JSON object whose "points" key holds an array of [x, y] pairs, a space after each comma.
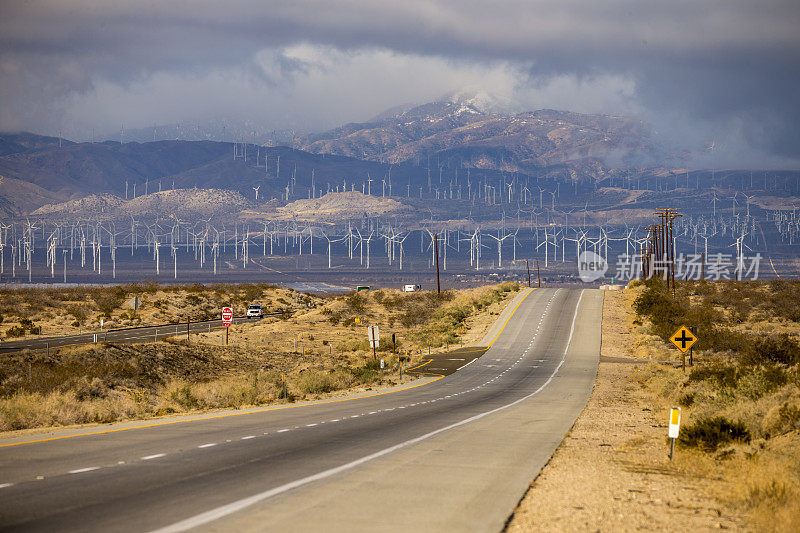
{"points": [[683, 339]]}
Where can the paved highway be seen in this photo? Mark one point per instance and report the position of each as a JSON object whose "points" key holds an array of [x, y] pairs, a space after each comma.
{"points": [[452, 453], [141, 334]]}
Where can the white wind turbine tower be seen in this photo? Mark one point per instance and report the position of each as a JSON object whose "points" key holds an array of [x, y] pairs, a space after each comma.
{"points": [[51, 253], [367, 240], [500, 240], [113, 244], [245, 247], [173, 249], [330, 241], [215, 250], [546, 243], [155, 244], [740, 246]]}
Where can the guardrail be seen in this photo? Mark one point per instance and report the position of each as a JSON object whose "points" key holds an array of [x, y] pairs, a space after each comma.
{"points": [[124, 335]]}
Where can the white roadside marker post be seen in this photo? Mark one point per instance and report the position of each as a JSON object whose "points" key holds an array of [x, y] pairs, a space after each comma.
{"points": [[382, 365], [674, 428]]}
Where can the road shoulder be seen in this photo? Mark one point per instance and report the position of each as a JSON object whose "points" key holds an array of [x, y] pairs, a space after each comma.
{"points": [[611, 471]]}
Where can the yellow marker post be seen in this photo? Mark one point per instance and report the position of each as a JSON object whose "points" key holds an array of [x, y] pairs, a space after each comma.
{"points": [[674, 428]]}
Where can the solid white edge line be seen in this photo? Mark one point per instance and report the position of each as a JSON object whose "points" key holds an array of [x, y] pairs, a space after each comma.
{"points": [[225, 510]]}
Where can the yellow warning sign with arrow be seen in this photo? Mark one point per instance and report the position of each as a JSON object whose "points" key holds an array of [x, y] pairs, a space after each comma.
{"points": [[683, 339]]}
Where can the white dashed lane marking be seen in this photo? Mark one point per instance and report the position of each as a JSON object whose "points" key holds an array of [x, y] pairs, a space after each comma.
{"points": [[82, 470], [247, 437]]}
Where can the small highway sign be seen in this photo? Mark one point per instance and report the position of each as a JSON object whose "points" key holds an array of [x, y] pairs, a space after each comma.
{"points": [[683, 339], [374, 336], [227, 316]]}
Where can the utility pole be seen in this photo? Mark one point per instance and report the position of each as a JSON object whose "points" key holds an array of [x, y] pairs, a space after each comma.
{"points": [[667, 246]]}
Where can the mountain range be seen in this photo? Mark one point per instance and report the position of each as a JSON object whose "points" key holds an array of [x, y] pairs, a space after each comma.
{"points": [[432, 150], [474, 130]]}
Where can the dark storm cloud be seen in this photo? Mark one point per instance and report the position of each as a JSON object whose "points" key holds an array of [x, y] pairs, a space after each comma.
{"points": [[719, 64]]}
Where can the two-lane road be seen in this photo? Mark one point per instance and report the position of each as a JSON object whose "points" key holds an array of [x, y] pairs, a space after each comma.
{"points": [[453, 454]]}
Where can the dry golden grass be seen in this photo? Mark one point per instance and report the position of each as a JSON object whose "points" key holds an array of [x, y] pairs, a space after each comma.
{"points": [[105, 383], [65, 311], [760, 478], [612, 471]]}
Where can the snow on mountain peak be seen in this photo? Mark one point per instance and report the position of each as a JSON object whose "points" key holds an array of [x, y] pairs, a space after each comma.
{"points": [[483, 101]]}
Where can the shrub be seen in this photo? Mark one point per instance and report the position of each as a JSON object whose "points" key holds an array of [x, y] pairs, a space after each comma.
{"points": [[181, 394], [774, 493], [193, 299], [15, 331], [369, 373], [78, 312], [720, 374], [150, 286], [356, 302], [708, 434], [686, 400], [781, 349], [107, 301], [313, 382]]}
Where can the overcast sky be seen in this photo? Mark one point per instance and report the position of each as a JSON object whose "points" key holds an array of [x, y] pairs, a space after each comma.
{"points": [[726, 71]]}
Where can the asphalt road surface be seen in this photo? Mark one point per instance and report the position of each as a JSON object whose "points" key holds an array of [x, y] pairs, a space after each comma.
{"points": [[444, 364], [452, 453], [141, 334]]}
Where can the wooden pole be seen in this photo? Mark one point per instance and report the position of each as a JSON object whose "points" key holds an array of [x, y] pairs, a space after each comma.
{"points": [[538, 277]]}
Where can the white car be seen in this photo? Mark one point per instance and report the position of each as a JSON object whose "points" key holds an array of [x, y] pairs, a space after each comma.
{"points": [[255, 311]]}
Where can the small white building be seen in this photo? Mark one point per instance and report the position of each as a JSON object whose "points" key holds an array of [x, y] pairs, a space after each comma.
{"points": [[412, 288]]}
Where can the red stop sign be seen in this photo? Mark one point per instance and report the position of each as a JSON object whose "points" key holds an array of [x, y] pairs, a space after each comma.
{"points": [[227, 316]]}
